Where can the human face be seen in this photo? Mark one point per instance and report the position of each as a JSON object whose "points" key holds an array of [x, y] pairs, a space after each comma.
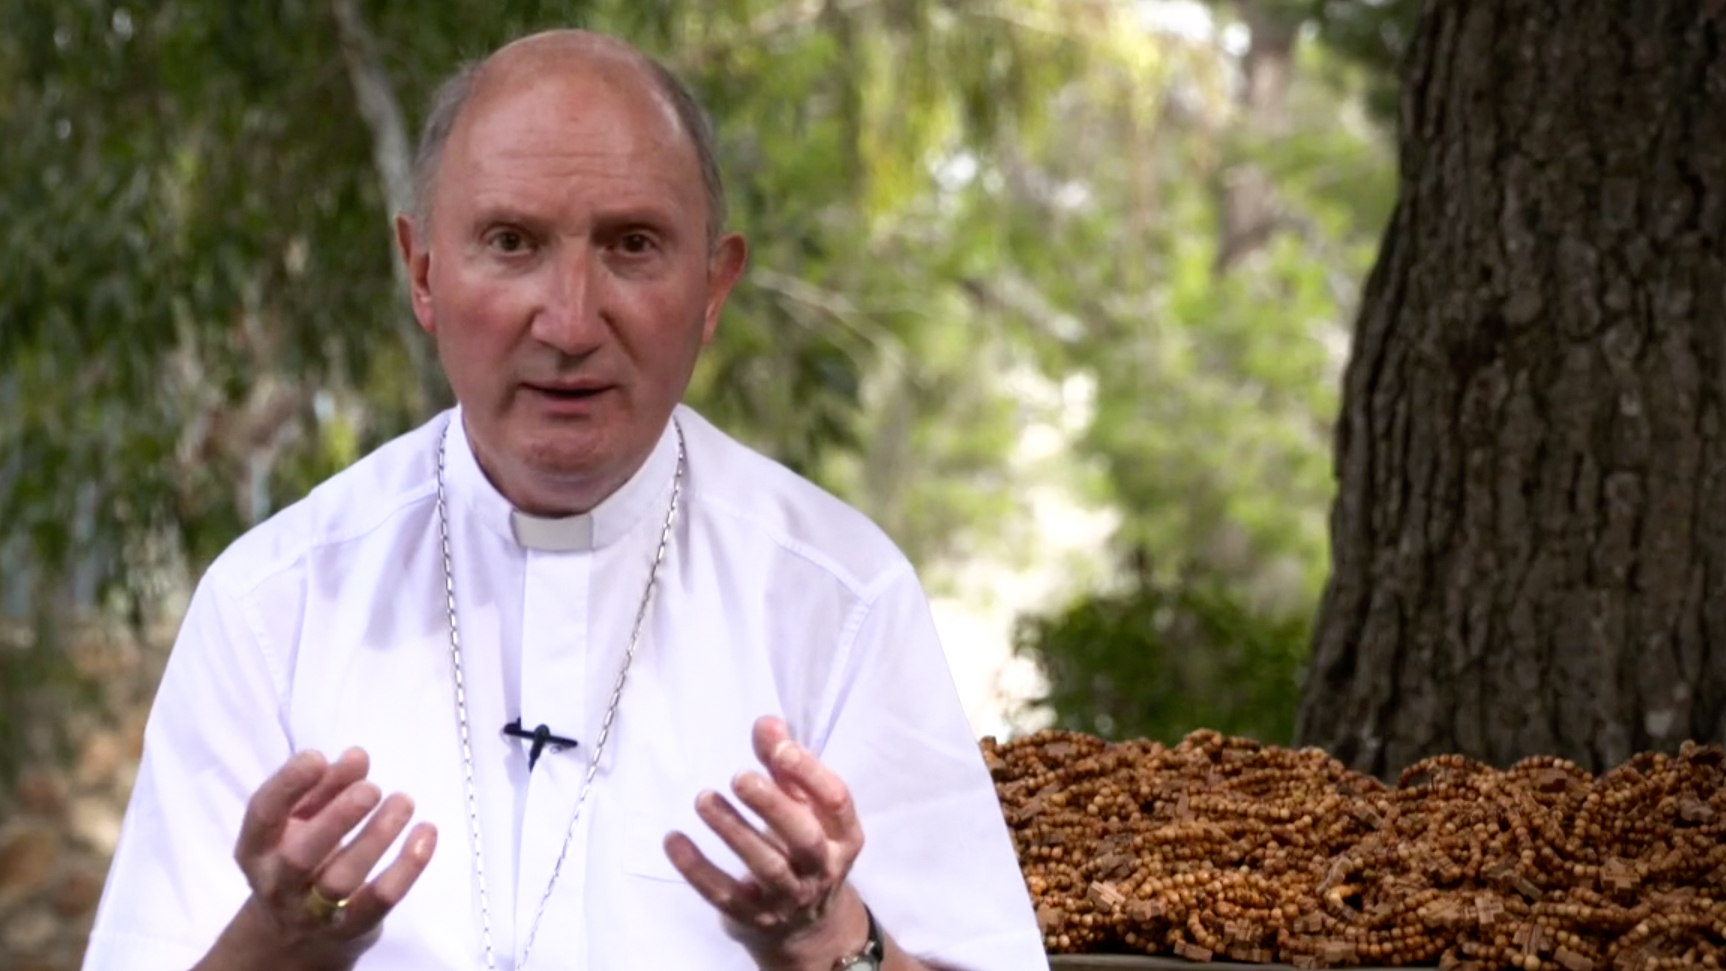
{"points": [[567, 276]]}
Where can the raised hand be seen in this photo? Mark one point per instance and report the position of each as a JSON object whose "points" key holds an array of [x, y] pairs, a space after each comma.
{"points": [[311, 905], [794, 908]]}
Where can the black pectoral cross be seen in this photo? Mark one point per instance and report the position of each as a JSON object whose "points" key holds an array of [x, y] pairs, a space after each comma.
{"points": [[541, 737]]}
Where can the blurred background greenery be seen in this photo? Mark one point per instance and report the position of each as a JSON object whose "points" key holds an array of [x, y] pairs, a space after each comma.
{"points": [[1105, 251]]}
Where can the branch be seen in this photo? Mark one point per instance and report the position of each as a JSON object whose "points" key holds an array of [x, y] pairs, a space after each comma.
{"points": [[836, 306], [1062, 25], [382, 112], [778, 20], [377, 105]]}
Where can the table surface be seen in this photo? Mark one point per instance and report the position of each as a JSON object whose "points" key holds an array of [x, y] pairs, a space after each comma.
{"points": [[1130, 962]]}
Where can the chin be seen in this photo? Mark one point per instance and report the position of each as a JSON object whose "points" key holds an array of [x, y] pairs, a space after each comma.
{"points": [[557, 457]]}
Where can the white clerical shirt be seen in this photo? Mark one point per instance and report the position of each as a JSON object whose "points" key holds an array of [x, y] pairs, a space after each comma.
{"points": [[327, 627]]}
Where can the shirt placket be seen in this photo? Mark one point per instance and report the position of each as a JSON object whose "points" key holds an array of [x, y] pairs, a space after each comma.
{"points": [[556, 621]]}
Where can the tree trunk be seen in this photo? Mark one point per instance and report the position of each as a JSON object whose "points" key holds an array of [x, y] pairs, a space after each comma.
{"points": [[1529, 538], [1248, 214]]}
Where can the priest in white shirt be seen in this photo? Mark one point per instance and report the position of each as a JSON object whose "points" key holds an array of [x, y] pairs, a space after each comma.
{"points": [[640, 697]]}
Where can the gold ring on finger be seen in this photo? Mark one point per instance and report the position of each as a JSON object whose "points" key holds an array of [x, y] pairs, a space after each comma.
{"points": [[323, 909]]}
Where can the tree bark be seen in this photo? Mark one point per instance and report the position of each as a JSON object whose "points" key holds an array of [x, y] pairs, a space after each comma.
{"points": [[1529, 537]]}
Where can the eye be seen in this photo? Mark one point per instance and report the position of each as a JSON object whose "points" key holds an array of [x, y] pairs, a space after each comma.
{"points": [[508, 241], [636, 244]]}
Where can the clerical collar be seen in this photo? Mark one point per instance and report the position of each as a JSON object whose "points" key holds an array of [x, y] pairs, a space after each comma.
{"points": [[568, 534], [607, 522]]}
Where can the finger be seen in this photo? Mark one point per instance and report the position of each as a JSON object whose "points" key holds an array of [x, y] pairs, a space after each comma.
{"points": [[742, 902], [769, 866], [371, 903], [270, 808], [767, 734], [771, 734], [303, 848], [346, 770], [772, 738], [346, 869], [798, 768], [800, 835]]}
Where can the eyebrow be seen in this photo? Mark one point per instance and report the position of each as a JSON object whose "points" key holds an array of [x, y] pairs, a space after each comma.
{"points": [[657, 217], [654, 217], [486, 214]]}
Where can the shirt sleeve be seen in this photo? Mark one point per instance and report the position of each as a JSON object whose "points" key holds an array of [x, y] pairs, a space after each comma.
{"points": [[215, 733], [937, 866]]}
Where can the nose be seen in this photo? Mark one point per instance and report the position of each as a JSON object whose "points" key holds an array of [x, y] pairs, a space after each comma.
{"points": [[569, 318]]}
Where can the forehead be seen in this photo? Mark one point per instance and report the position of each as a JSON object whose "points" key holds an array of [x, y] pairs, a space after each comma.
{"points": [[556, 132]]}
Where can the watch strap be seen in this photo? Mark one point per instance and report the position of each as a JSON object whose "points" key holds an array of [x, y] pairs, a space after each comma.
{"points": [[869, 957]]}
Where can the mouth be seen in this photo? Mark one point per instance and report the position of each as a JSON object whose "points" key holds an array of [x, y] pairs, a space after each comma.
{"points": [[568, 392]]}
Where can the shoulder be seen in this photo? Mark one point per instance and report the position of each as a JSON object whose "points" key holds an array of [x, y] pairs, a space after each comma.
{"points": [[758, 501], [394, 479]]}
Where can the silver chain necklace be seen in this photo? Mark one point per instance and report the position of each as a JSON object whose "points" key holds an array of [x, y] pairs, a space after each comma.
{"points": [[604, 726]]}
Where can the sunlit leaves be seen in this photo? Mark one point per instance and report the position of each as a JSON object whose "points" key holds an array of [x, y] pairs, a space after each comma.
{"points": [[1216, 389]]}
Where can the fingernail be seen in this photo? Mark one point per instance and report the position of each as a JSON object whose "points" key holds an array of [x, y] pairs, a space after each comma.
{"points": [[785, 754]]}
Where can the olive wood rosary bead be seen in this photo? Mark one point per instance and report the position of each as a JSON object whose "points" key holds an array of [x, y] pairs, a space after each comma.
{"points": [[1223, 846]]}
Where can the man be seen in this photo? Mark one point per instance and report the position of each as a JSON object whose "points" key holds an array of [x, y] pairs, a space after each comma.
{"points": [[563, 618]]}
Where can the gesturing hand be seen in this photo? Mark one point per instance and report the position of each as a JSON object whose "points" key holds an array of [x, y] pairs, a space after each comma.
{"points": [[311, 906], [794, 908]]}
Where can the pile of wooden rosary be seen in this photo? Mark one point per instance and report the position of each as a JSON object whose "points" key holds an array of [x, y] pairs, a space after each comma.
{"points": [[1228, 849]]}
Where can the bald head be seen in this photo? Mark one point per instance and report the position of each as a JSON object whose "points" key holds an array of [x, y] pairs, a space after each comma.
{"points": [[569, 52]]}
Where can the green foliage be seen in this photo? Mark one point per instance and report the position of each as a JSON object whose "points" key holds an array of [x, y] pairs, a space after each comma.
{"points": [[1374, 34], [200, 320], [1369, 37], [1161, 660], [1216, 391], [945, 200]]}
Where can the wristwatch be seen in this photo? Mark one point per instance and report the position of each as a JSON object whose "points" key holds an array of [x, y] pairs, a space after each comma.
{"points": [[871, 955]]}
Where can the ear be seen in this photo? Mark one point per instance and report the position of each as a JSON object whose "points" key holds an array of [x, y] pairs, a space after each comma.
{"points": [[416, 257], [724, 267]]}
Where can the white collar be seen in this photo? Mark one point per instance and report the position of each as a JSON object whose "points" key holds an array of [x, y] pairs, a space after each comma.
{"points": [[601, 526]]}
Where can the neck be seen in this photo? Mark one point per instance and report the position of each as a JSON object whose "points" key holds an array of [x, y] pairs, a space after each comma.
{"points": [[551, 497], [547, 494]]}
